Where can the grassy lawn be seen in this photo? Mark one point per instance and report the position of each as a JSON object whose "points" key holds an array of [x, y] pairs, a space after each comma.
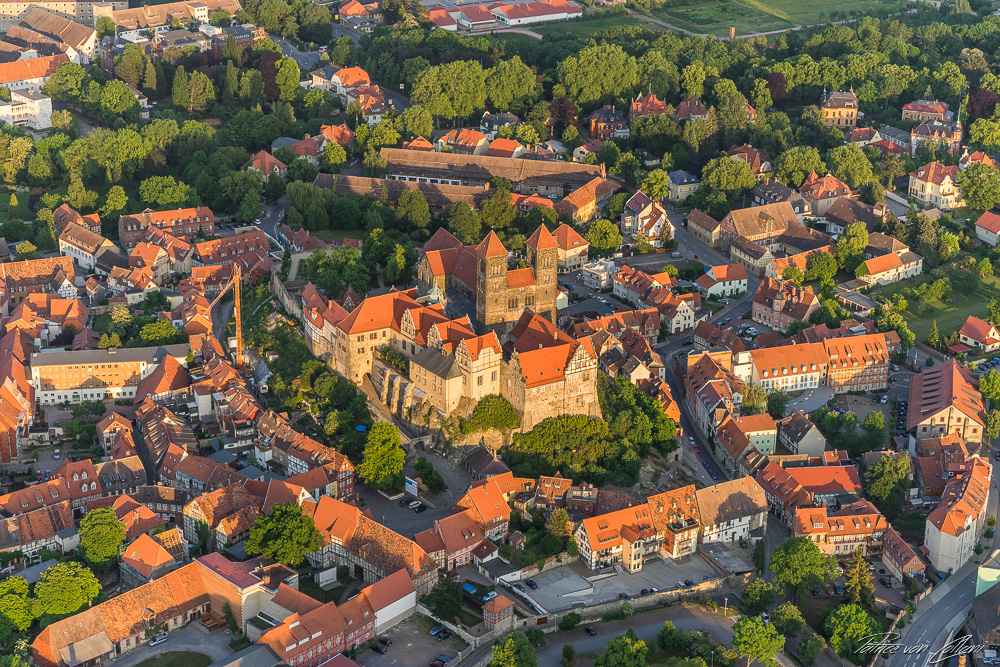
{"points": [[588, 26], [950, 316], [816, 609], [749, 16], [313, 590], [339, 234], [177, 659]]}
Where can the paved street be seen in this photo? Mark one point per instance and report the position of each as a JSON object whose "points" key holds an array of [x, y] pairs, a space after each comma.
{"points": [[306, 59], [812, 399]]}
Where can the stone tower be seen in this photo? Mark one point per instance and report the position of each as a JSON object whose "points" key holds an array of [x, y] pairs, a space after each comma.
{"points": [[491, 283], [543, 256]]}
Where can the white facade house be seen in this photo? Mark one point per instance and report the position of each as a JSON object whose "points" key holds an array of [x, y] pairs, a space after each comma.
{"points": [[789, 367], [724, 280], [953, 529], [732, 510], [27, 108], [535, 12], [988, 228]]}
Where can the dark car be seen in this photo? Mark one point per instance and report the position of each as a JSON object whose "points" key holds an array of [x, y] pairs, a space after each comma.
{"points": [[436, 629], [378, 648], [885, 581], [688, 582], [688, 342], [531, 584], [444, 634], [624, 596], [436, 663], [519, 587], [644, 591], [743, 543], [385, 641], [714, 476], [405, 502], [419, 508], [590, 630]]}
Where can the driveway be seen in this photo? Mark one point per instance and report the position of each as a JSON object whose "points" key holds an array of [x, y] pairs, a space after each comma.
{"points": [[192, 637], [811, 399], [562, 587]]}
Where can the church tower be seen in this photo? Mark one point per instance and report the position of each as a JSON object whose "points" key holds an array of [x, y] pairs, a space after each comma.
{"points": [[543, 258], [491, 283]]}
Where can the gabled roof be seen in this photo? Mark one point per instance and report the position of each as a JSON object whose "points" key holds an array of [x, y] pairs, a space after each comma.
{"points": [[730, 501], [948, 384], [979, 330], [145, 555]]}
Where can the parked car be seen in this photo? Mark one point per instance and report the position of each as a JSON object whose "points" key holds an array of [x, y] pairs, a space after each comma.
{"points": [[688, 582], [654, 589], [420, 508], [816, 591], [489, 596], [590, 630], [385, 641], [435, 663], [764, 617], [743, 543], [444, 634], [405, 502], [158, 639], [644, 592], [531, 584], [435, 630], [413, 504], [838, 588], [378, 648], [886, 581], [624, 596], [443, 658], [680, 584], [519, 587]]}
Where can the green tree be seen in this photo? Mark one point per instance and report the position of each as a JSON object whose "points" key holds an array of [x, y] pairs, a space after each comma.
{"points": [[859, 581], [101, 537], [787, 619], [793, 274], [115, 203], [656, 185], [811, 647], [980, 186], [105, 27], [887, 483], [989, 386], [849, 164], [794, 165], [286, 535], [933, 338], [600, 72], [497, 210], [568, 655], [160, 333], [985, 269], [604, 238], [413, 210], [181, 91], [624, 651], [847, 627], [287, 78], [445, 600], [728, 175], [851, 246], [384, 457], [63, 589], [508, 82], [15, 608], [463, 222], [334, 158], [14, 208], [821, 267], [757, 597], [26, 250], [799, 563], [558, 524], [514, 650], [757, 642], [777, 404], [993, 424]]}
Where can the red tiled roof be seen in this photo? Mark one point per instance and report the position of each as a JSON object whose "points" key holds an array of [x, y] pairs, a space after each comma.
{"points": [[34, 68]]}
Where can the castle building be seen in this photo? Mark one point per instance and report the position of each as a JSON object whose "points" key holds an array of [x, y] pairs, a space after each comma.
{"points": [[480, 274]]}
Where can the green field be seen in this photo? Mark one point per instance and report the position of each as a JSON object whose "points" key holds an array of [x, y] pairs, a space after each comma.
{"points": [[950, 316], [750, 16], [177, 659], [588, 26]]}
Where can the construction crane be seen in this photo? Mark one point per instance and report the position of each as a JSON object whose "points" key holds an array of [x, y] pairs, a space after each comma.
{"points": [[234, 282]]}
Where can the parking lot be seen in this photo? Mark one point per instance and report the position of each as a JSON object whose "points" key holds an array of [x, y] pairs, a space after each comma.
{"points": [[412, 645], [563, 587]]}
